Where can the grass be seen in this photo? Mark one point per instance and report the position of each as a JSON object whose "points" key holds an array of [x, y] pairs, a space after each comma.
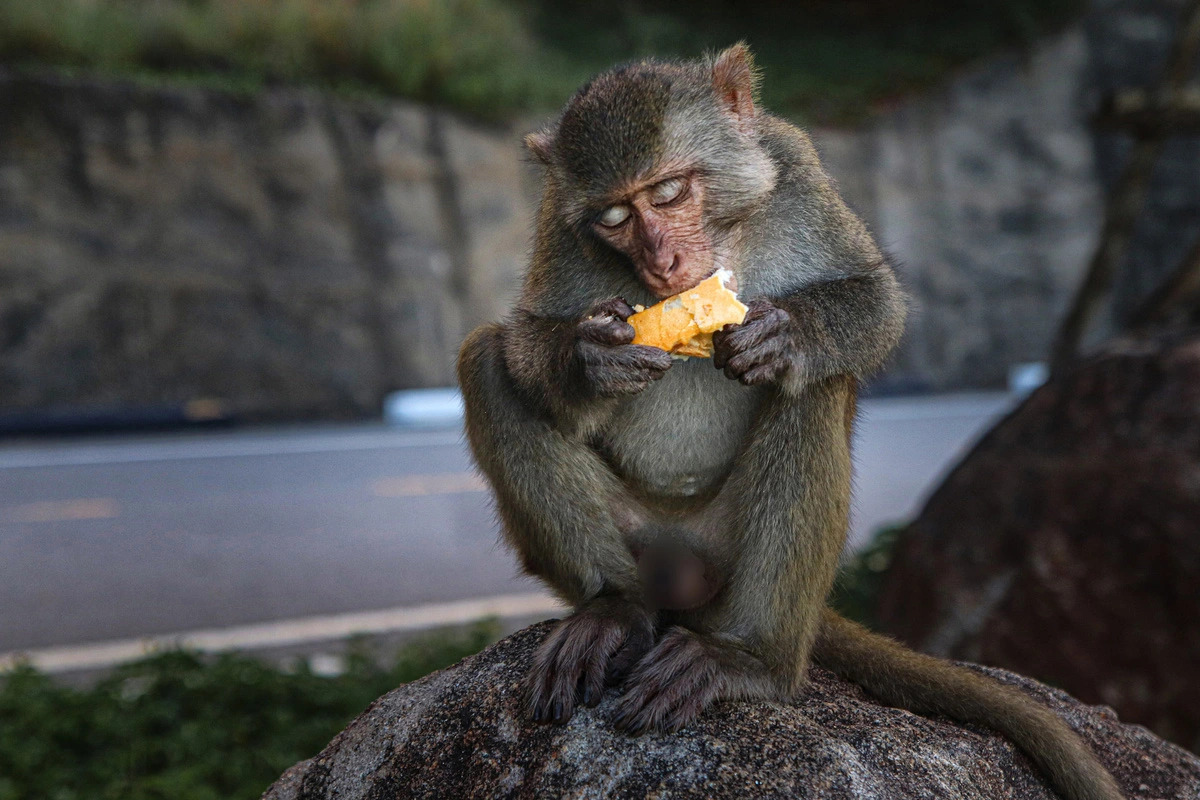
{"points": [[825, 60], [179, 726]]}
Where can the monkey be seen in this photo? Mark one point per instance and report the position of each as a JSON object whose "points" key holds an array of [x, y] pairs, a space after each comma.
{"points": [[656, 174]]}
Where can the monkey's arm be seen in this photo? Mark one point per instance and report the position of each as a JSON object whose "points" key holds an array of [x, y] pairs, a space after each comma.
{"points": [[555, 497], [837, 327], [573, 370], [554, 494]]}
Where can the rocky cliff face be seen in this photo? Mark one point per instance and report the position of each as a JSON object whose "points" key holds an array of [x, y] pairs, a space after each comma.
{"points": [[462, 733], [985, 193], [292, 253]]}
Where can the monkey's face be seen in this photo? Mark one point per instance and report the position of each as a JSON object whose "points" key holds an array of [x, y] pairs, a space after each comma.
{"points": [[658, 223], [660, 162]]}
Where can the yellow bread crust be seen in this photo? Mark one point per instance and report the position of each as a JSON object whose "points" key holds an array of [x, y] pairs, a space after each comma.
{"points": [[683, 325]]}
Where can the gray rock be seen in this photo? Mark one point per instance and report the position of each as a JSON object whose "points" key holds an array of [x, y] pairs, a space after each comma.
{"points": [[460, 733]]}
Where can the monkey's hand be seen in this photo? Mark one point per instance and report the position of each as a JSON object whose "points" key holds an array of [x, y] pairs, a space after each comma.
{"points": [[684, 674], [612, 367], [594, 647], [761, 349]]}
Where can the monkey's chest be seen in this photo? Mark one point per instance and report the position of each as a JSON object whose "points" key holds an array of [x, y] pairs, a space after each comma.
{"points": [[681, 435]]}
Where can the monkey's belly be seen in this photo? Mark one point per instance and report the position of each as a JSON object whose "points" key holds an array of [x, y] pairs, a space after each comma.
{"points": [[681, 434]]}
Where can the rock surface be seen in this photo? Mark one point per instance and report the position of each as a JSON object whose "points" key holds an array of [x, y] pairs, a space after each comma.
{"points": [[1067, 544], [460, 733]]}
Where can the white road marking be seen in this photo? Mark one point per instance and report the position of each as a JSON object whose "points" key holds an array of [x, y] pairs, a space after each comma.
{"points": [[137, 452], [282, 633]]}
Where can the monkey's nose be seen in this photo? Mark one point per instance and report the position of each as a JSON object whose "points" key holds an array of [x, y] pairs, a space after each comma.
{"points": [[664, 267]]}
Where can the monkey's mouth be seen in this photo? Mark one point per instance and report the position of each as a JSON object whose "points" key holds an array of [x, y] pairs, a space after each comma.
{"points": [[669, 287]]}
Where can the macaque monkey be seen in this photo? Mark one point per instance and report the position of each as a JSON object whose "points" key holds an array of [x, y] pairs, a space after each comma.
{"points": [[656, 175]]}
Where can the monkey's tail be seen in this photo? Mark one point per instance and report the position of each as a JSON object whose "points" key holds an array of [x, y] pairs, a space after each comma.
{"points": [[923, 684]]}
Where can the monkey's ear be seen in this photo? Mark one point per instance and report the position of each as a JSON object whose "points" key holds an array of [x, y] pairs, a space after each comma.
{"points": [[735, 79], [540, 145]]}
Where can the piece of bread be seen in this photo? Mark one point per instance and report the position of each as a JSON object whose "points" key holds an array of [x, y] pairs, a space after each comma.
{"points": [[683, 325]]}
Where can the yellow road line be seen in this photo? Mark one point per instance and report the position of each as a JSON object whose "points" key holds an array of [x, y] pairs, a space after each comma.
{"points": [[420, 485], [63, 510]]}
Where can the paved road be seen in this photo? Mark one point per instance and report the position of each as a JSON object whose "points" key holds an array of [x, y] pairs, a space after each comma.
{"points": [[107, 539]]}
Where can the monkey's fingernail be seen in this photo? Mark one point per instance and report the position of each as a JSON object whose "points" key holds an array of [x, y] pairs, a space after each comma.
{"points": [[538, 715], [558, 711]]}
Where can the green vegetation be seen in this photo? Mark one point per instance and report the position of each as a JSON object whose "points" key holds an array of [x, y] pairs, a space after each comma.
{"points": [[826, 60], [470, 54], [859, 581], [179, 726]]}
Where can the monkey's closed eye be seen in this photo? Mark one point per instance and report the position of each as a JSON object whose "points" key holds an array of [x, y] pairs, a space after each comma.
{"points": [[614, 216], [667, 191]]}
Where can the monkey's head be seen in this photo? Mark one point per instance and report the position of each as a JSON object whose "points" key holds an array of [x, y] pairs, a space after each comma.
{"points": [[657, 161]]}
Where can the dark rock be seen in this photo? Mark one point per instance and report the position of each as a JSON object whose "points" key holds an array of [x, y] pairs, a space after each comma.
{"points": [[461, 733], [1067, 544]]}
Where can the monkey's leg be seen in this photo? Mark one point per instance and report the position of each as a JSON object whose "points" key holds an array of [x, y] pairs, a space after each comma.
{"points": [[785, 508], [554, 495]]}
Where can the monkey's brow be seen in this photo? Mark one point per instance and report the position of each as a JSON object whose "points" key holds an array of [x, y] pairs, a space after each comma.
{"points": [[623, 192]]}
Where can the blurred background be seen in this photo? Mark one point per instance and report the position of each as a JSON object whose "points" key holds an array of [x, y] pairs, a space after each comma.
{"points": [[241, 240]]}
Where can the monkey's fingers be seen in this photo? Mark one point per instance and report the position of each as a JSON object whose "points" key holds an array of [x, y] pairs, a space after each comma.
{"points": [[595, 663], [606, 330], [761, 324], [678, 703], [764, 352], [663, 680], [558, 665], [625, 356], [625, 370], [762, 309], [541, 682], [572, 660], [612, 307]]}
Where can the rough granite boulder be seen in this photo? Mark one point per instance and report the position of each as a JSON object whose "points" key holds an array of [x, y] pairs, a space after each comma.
{"points": [[461, 733], [1076, 522]]}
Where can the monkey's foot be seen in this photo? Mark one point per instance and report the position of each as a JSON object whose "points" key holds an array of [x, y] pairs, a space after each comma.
{"points": [[596, 645], [684, 674]]}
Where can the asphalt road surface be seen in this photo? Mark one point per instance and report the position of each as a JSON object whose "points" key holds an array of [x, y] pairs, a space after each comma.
{"points": [[109, 539]]}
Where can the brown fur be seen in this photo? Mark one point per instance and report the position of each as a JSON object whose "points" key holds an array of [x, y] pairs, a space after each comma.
{"points": [[584, 435]]}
